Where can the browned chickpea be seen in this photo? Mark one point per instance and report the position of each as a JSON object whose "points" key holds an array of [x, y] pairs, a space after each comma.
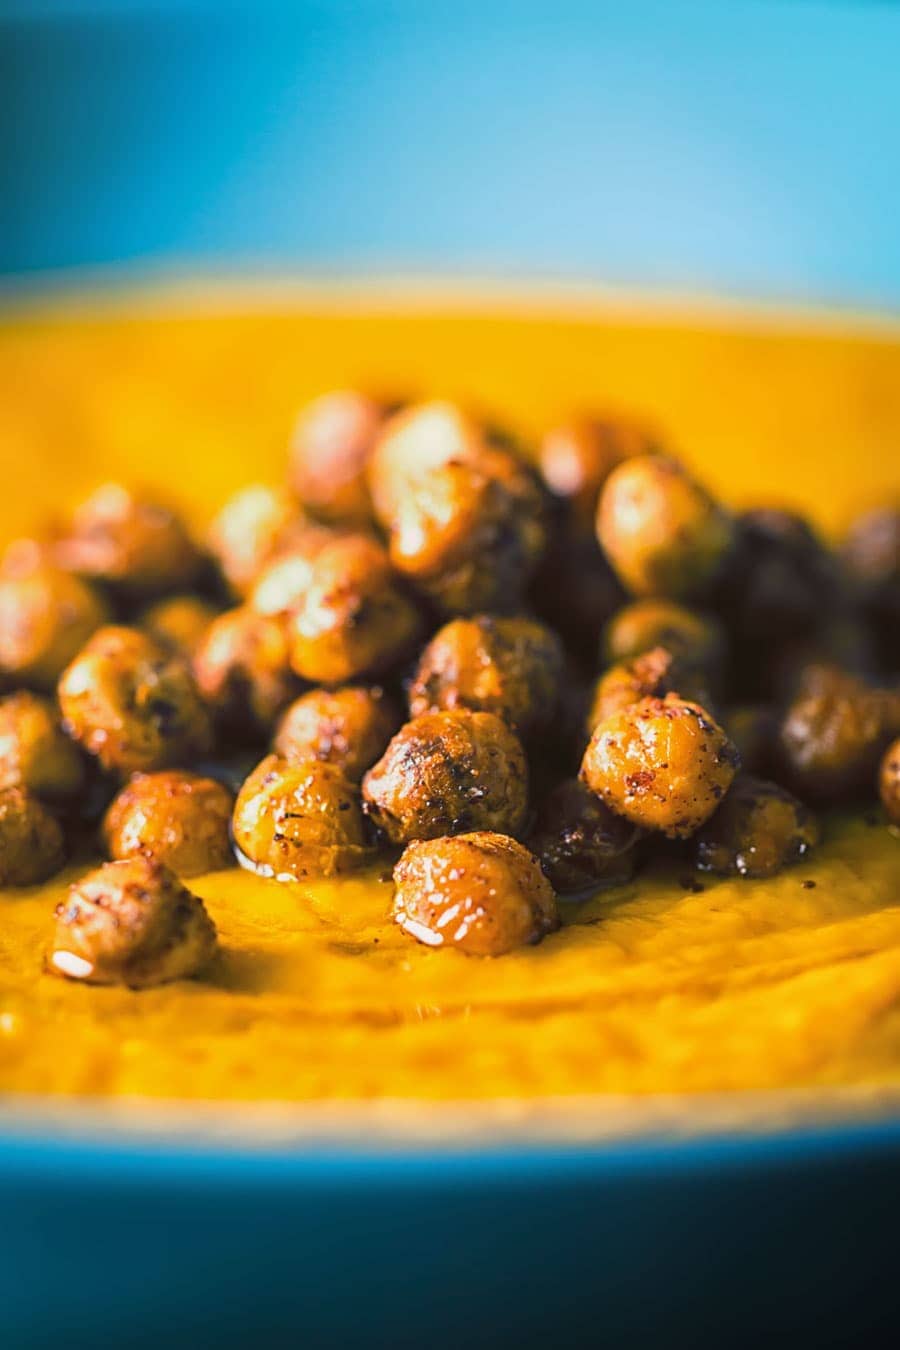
{"points": [[31, 839], [256, 526], [133, 704], [46, 616], [299, 820], [582, 845], [129, 542], [133, 923], [333, 439], [180, 622], [577, 457], [35, 752], [415, 442], [653, 674], [833, 735], [349, 728], [511, 667], [281, 585], [662, 532], [664, 764], [482, 893], [758, 830], [889, 782], [753, 727], [661, 623], [446, 773], [778, 580], [241, 669], [355, 619], [177, 818]]}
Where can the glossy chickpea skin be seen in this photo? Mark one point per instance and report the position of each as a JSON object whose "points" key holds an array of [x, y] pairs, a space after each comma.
{"points": [[415, 442], [349, 728], [256, 526], [179, 819], [131, 922], [758, 830], [662, 532], [577, 457], [31, 839], [889, 782], [355, 619], [581, 844], [295, 820], [448, 773], [179, 622], [833, 734], [133, 704], [330, 449], [46, 617], [482, 893], [242, 672], [130, 542], [35, 752], [644, 624], [511, 667], [663, 764], [651, 675]]}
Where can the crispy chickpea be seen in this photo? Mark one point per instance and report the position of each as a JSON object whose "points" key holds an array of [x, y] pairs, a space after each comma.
{"points": [[662, 532], [577, 457], [129, 542], [758, 830], [133, 704], [131, 922], [254, 527], [753, 727], [653, 674], [242, 672], [412, 444], [778, 579], [35, 752], [511, 667], [355, 619], [889, 782], [179, 819], [833, 735], [46, 616], [31, 839], [179, 622], [582, 845], [349, 728], [299, 820], [333, 439], [482, 893], [664, 764], [446, 773], [662, 623], [281, 585]]}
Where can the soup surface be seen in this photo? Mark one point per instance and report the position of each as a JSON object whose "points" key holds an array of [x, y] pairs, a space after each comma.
{"points": [[315, 994]]}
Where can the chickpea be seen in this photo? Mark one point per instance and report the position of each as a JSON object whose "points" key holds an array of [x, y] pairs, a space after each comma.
{"points": [[332, 442], [872, 556], [663, 764], [482, 893], [176, 818], [32, 847], [581, 844], [131, 922], [281, 585], [355, 619], [511, 667], [758, 830], [299, 820], [46, 617], [256, 526], [349, 728], [650, 675], [889, 782], [35, 752], [753, 727], [833, 735], [132, 704], [129, 542], [661, 623], [576, 591], [179, 622], [662, 532], [412, 444], [777, 580], [577, 457], [242, 672]]}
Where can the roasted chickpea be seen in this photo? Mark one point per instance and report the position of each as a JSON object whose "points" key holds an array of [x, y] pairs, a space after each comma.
{"points": [[777, 581], [511, 667], [577, 457], [176, 818], [179, 622], [242, 672], [638, 627], [35, 752], [446, 773], [46, 616], [333, 439], [889, 782], [281, 585], [349, 728], [833, 735], [653, 674], [576, 591], [482, 893], [355, 619], [131, 922], [758, 830], [31, 839], [256, 526], [129, 542], [299, 820], [662, 532], [663, 764], [415, 442], [582, 845], [753, 727], [133, 704]]}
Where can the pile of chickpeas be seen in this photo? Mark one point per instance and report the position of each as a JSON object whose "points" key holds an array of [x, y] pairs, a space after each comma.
{"points": [[520, 677]]}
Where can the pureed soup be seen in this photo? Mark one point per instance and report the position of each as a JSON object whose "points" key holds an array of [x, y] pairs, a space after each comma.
{"points": [[673, 979]]}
